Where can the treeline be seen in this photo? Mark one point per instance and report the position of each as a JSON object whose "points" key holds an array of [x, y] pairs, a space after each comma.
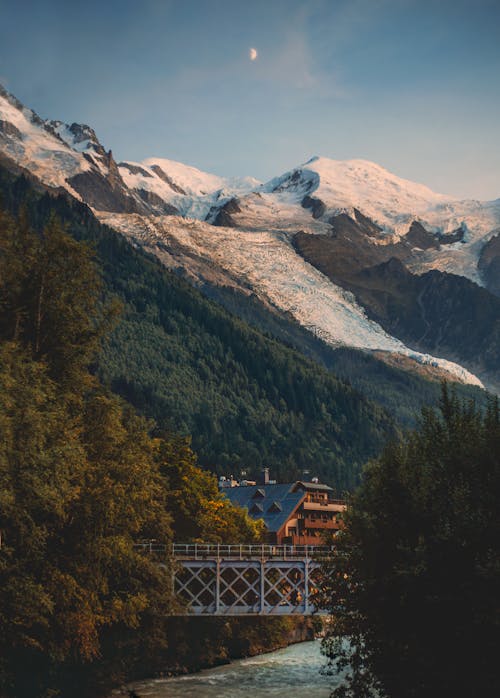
{"points": [[401, 393], [81, 481], [415, 579]]}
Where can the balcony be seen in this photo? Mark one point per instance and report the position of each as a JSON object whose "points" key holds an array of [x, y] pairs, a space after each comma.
{"points": [[316, 524], [336, 505]]}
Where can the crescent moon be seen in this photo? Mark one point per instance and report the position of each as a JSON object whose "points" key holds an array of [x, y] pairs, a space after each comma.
{"points": [[253, 54]]}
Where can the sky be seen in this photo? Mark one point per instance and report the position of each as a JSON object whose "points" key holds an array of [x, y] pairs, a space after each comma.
{"points": [[413, 85]]}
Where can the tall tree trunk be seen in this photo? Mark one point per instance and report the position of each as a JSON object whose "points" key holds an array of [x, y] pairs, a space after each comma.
{"points": [[17, 325], [38, 323]]}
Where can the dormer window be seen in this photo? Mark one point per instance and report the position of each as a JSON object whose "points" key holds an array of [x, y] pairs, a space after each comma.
{"points": [[257, 508], [259, 494], [275, 506]]}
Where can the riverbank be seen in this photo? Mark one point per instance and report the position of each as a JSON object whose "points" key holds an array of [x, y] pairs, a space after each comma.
{"points": [[290, 672], [205, 643]]}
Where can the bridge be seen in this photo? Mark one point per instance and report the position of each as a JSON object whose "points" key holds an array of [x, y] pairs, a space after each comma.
{"points": [[235, 580]]}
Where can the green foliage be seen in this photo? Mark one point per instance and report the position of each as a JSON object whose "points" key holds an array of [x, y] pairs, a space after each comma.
{"points": [[402, 393], [79, 478], [414, 584], [247, 400], [74, 496], [200, 512], [49, 291]]}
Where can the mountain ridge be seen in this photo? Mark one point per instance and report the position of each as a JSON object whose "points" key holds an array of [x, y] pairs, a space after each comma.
{"points": [[369, 213]]}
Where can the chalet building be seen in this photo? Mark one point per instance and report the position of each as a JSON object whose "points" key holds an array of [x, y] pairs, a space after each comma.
{"points": [[294, 514]]}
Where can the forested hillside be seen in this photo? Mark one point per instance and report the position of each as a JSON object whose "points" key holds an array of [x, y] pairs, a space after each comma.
{"points": [[246, 399], [82, 480]]}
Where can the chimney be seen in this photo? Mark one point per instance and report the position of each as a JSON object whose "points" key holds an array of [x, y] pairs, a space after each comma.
{"points": [[265, 476]]}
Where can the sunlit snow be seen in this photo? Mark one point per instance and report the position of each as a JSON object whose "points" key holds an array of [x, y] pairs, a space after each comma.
{"points": [[39, 151], [202, 190]]}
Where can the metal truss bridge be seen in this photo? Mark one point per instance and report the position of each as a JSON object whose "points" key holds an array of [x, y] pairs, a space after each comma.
{"points": [[234, 580]]}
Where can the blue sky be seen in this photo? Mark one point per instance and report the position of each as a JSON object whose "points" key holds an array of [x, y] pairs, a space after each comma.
{"points": [[411, 85]]}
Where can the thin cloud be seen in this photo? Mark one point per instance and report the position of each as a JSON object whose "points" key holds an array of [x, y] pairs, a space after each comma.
{"points": [[288, 65], [291, 64]]}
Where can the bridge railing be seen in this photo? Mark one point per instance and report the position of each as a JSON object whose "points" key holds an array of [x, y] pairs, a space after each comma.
{"points": [[152, 547], [204, 551]]}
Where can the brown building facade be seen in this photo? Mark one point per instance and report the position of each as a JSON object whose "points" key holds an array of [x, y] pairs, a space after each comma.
{"points": [[294, 514], [316, 514]]}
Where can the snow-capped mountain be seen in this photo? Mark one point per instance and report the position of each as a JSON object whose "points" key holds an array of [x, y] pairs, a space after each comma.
{"points": [[455, 230], [35, 145], [346, 248], [71, 156], [188, 190], [345, 185], [391, 202]]}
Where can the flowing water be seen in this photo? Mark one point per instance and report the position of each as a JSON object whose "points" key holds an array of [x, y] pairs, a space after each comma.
{"points": [[293, 672]]}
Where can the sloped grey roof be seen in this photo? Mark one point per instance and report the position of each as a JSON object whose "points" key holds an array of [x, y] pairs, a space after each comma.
{"points": [[283, 495], [313, 486]]}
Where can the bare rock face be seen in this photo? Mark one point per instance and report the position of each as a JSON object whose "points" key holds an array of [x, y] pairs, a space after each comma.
{"points": [[489, 264], [10, 98], [156, 204], [352, 245], [168, 180], [103, 194], [135, 169], [223, 217], [443, 314], [418, 236], [366, 225], [449, 238], [82, 133], [296, 181], [317, 206], [103, 187], [9, 130], [114, 177], [348, 248], [360, 226]]}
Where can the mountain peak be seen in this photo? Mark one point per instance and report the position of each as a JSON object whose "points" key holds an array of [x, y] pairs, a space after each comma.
{"points": [[79, 137], [345, 185]]}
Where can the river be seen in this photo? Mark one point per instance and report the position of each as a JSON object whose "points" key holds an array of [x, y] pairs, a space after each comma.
{"points": [[293, 672]]}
